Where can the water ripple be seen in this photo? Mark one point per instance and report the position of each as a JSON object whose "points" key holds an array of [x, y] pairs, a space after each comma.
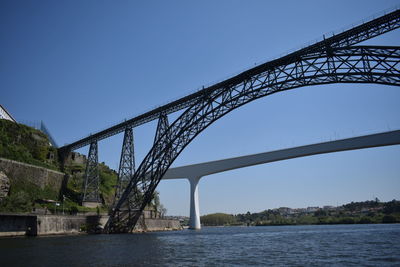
{"points": [[333, 245]]}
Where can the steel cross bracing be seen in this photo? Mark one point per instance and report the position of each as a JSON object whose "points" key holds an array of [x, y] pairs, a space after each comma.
{"points": [[162, 136], [347, 38], [126, 164], [136, 194], [91, 183], [362, 64]]}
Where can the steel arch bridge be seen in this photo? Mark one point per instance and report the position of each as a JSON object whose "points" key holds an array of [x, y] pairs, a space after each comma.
{"points": [[332, 60]]}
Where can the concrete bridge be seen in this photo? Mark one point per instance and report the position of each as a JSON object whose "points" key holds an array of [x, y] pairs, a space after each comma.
{"points": [[196, 171]]}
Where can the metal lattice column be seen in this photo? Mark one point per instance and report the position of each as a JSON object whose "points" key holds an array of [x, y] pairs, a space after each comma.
{"points": [[126, 164], [162, 144], [92, 180], [130, 207], [161, 137]]}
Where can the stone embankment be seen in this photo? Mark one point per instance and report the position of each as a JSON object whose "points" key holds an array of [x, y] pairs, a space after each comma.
{"points": [[39, 225], [42, 177], [152, 225], [4, 185]]}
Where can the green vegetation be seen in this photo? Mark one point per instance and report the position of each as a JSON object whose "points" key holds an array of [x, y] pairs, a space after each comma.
{"points": [[25, 144], [218, 219], [352, 213], [156, 205], [23, 196], [73, 192]]}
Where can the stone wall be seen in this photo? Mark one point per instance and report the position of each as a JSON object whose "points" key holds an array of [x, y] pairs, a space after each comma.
{"points": [[158, 225], [57, 224], [4, 185], [42, 177], [32, 225], [76, 158], [17, 225]]}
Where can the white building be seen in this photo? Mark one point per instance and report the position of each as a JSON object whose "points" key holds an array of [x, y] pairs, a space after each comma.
{"points": [[4, 114]]}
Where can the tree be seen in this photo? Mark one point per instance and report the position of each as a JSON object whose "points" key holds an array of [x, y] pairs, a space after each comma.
{"points": [[218, 219], [163, 210]]}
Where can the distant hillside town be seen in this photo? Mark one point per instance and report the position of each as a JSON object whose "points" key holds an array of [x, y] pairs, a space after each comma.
{"points": [[370, 211]]}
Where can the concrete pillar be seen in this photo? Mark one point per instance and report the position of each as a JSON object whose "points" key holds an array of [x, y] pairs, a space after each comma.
{"points": [[194, 222]]}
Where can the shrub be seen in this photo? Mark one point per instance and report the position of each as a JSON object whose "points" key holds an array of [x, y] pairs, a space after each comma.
{"points": [[388, 219]]}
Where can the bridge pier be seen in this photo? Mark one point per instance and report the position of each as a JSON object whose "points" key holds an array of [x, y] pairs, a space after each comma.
{"points": [[126, 164], [91, 196], [194, 221]]}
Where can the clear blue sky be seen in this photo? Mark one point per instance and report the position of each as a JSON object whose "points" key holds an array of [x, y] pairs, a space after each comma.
{"points": [[81, 66]]}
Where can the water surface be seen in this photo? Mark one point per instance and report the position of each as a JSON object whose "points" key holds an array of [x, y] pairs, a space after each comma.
{"points": [[313, 245]]}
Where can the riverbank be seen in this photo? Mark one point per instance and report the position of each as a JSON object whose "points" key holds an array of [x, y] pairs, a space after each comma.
{"points": [[12, 225]]}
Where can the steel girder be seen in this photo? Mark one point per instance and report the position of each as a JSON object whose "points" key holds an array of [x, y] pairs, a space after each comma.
{"points": [[347, 38], [362, 64], [91, 183]]}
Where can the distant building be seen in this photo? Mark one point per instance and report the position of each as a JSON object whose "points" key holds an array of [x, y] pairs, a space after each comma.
{"points": [[5, 115], [312, 209], [284, 210]]}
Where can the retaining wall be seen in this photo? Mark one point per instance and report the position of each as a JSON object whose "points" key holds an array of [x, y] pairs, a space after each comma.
{"points": [[158, 225], [56, 224], [42, 177], [16, 225], [32, 225]]}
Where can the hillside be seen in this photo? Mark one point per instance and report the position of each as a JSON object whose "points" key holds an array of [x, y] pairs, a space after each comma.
{"points": [[76, 173], [372, 211], [25, 144]]}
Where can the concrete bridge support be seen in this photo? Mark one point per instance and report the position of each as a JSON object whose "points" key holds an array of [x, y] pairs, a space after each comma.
{"points": [[194, 221]]}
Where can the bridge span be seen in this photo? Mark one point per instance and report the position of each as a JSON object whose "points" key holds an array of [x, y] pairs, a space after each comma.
{"points": [[196, 171]]}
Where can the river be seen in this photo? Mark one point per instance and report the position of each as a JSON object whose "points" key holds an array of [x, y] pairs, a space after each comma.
{"points": [[312, 245]]}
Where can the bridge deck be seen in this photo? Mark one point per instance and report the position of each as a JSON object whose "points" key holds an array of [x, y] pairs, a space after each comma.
{"points": [[360, 142]]}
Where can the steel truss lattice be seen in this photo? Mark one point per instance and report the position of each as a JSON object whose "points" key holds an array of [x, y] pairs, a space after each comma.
{"points": [[362, 64], [91, 183], [162, 136], [126, 164]]}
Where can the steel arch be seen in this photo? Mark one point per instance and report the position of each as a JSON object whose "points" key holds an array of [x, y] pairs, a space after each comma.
{"points": [[350, 37], [361, 64]]}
